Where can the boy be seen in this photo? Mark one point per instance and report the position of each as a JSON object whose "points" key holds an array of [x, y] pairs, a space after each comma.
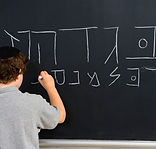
{"points": [[22, 115]]}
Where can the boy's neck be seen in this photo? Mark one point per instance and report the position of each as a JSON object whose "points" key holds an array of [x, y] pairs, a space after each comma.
{"points": [[17, 83], [8, 85]]}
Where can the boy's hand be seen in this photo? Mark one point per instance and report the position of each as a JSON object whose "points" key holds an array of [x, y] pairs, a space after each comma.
{"points": [[47, 80], [48, 83]]}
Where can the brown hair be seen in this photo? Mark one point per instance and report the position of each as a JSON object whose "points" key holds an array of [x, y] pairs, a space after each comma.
{"points": [[11, 67]]}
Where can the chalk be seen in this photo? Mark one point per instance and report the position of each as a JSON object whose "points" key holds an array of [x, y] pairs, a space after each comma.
{"points": [[40, 77]]}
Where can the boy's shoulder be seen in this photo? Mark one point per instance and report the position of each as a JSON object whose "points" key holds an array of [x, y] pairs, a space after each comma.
{"points": [[34, 98], [31, 95]]}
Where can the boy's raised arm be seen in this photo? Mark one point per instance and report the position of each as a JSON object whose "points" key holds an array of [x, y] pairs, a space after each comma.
{"points": [[48, 83]]}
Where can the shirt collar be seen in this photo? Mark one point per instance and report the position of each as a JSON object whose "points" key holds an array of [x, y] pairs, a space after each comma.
{"points": [[8, 89]]}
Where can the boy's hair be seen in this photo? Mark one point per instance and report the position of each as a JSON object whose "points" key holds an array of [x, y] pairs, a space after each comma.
{"points": [[11, 67]]}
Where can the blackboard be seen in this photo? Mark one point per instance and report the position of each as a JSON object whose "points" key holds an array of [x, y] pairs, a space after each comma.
{"points": [[102, 56]]}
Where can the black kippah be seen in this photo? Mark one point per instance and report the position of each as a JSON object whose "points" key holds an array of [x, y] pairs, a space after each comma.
{"points": [[7, 52]]}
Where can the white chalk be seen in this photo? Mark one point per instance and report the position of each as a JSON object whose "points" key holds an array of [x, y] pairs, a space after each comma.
{"points": [[40, 77]]}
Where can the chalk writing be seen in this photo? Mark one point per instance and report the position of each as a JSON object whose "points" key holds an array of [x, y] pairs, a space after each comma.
{"points": [[92, 78], [86, 29], [29, 44], [95, 80], [39, 54], [116, 45], [135, 79], [55, 36], [146, 43], [63, 76], [78, 78], [12, 38], [114, 75]]}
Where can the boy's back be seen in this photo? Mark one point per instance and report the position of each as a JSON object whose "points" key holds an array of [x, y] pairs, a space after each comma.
{"points": [[21, 116]]}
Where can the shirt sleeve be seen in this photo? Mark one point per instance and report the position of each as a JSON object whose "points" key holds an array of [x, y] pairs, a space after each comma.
{"points": [[48, 115]]}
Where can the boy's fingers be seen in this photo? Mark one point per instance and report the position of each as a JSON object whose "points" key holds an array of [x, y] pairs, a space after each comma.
{"points": [[42, 73], [45, 72], [40, 77]]}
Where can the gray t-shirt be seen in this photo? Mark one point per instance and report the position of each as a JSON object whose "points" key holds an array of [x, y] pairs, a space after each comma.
{"points": [[22, 115]]}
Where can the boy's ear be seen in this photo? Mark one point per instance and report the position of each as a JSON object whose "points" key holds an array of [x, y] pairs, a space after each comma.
{"points": [[20, 71], [18, 74]]}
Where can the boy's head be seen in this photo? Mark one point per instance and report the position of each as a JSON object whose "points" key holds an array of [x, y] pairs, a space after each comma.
{"points": [[12, 64]]}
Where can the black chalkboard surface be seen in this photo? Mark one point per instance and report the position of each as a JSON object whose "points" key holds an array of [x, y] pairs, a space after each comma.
{"points": [[102, 56]]}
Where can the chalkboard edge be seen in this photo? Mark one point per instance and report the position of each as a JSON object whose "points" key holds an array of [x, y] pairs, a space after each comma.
{"points": [[95, 143]]}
